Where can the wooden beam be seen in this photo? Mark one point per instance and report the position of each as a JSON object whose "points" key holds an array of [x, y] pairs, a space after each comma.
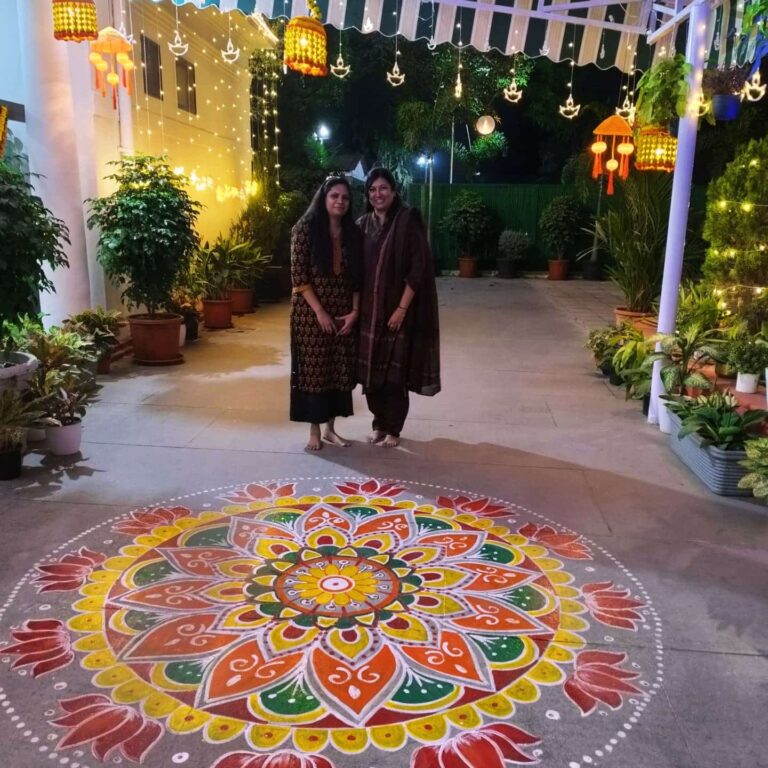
{"points": [[16, 111]]}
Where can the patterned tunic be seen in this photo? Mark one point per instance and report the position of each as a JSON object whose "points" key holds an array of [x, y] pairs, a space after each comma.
{"points": [[321, 362]]}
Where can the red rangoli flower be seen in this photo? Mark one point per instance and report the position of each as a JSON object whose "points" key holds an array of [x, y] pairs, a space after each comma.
{"points": [[493, 746], [145, 521], [482, 506], [70, 572], [597, 677], [613, 607], [371, 488], [95, 720], [282, 759], [44, 643], [257, 492], [562, 544]]}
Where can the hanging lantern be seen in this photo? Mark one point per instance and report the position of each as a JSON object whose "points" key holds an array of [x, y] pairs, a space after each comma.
{"points": [[485, 125], [656, 149], [108, 52], [305, 43], [614, 134], [75, 20]]}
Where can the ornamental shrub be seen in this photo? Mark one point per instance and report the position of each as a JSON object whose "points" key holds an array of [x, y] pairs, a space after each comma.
{"points": [[561, 223]]}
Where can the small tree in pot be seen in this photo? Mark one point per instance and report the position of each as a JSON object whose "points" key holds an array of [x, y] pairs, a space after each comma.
{"points": [[472, 223], [31, 239], [561, 223], [146, 239], [512, 248]]}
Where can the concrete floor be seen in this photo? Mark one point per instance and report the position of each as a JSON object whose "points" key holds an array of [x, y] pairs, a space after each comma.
{"points": [[523, 418]]}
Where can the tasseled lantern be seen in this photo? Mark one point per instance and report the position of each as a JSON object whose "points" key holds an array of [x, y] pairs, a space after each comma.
{"points": [[656, 149], [75, 20], [112, 45], [619, 132], [305, 43]]}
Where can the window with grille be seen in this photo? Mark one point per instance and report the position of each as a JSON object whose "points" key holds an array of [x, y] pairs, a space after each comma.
{"points": [[151, 68], [186, 96]]}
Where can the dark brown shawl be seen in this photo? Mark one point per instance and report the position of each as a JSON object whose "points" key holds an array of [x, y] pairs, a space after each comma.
{"points": [[409, 358]]}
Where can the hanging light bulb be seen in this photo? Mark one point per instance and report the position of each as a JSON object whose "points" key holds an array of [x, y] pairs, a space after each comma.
{"points": [[230, 54], [394, 77], [753, 89]]}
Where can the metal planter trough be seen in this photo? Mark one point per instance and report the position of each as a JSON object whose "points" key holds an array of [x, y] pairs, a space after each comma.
{"points": [[719, 470]]}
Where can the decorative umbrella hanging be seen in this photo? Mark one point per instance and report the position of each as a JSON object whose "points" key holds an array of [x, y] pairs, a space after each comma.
{"points": [[618, 132], [305, 43], [75, 20], [112, 45]]}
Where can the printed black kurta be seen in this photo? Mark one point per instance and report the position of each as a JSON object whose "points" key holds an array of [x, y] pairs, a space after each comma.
{"points": [[323, 365]]}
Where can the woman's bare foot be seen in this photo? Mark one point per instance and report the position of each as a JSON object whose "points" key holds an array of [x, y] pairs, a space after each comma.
{"points": [[331, 437], [376, 436], [314, 444], [390, 441]]}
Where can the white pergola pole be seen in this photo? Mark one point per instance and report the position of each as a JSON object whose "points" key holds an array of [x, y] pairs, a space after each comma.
{"points": [[695, 53]]}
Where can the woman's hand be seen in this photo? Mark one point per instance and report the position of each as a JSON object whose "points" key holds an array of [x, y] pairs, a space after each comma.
{"points": [[396, 319], [347, 322], [325, 321]]}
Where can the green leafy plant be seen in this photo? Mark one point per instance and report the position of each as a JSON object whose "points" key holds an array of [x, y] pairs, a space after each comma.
{"points": [[748, 355], [16, 413], [631, 350], [146, 230], [60, 348], [715, 419], [100, 326], [560, 224], [213, 268], [601, 342], [682, 355], [469, 220], [246, 261], [663, 91], [31, 239], [513, 244], [697, 303], [65, 395], [727, 81], [633, 236], [757, 464], [16, 333]]}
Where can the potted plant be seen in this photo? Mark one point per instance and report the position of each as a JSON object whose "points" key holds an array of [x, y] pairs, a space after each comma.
{"points": [[212, 267], [247, 264], [102, 327], [633, 235], [602, 343], [750, 358], [146, 239], [662, 92], [710, 435], [628, 363], [560, 223], [66, 397], [16, 365], [16, 413], [756, 464], [512, 248], [470, 221], [32, 240], [723, 87]]}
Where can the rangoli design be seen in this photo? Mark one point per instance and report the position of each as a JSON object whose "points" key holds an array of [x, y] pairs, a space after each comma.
{"points": [[331, 623]]}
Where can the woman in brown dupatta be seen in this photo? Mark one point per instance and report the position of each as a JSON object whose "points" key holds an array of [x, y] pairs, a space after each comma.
{"points": [[399, 348]]}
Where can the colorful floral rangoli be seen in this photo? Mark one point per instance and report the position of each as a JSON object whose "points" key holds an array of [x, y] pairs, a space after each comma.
{"points": [[300, 624]]}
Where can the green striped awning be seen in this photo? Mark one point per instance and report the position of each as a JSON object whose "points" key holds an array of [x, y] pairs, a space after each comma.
{"points": [[585, 31]]}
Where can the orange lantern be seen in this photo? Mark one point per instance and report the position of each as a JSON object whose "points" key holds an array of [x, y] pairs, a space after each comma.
{"points": [[75, 20], [656, 149], [112, 45], [619, 132], [305, 43]]}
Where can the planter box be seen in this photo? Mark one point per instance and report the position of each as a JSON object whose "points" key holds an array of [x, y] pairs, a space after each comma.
{"points": [[719, 470]]}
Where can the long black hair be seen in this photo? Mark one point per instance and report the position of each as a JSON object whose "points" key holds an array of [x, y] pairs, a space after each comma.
{"points": [[386, 174], [316, 216]]}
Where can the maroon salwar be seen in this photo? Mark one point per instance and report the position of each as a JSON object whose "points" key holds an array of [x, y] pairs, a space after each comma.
{"points": [[393, 363]]}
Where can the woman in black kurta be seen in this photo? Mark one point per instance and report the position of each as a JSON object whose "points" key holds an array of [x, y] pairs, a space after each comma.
{"points": [[326, 273]]}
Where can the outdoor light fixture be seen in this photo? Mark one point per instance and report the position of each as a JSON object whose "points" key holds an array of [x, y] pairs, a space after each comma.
{"points": [[619, 132], [322, 133], [75, 20], [305, 43], [485, 125], [110, 50], [656, 149]]}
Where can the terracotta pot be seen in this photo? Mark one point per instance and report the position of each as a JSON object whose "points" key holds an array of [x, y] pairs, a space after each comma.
{"points": [[242, 300], [643, 321], [156, 339], [467, 266], [217, 313], [558, 269]]}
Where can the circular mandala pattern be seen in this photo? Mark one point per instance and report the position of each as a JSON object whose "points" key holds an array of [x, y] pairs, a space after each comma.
{"points": [[364, 616]]}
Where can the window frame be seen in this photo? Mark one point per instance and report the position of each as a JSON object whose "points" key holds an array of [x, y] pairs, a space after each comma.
{"points": [[146, 46], [188, 73]]}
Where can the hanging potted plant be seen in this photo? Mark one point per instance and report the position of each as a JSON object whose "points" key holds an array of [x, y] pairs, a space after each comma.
{"points": [[146, 239], [470, 221], [16, 414], [212, 268], [66, 397], [31, 239], [512, 248], [560, 224], [723, 88]]}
